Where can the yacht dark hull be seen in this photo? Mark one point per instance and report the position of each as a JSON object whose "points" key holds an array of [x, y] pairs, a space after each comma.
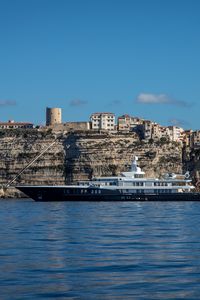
{"points": [[67, 193]]}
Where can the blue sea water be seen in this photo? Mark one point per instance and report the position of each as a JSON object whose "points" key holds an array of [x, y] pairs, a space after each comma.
{"points": [[98, 250]]}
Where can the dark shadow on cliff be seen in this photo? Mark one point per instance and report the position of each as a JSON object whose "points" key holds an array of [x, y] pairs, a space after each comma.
{"points": [[72, 160]]}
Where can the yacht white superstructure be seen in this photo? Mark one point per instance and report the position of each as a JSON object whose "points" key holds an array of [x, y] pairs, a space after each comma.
{"points": [[135, 181]]}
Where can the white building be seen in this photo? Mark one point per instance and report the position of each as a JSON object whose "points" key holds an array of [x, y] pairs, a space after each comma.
{"points": [[103, 120], [176, 133]]}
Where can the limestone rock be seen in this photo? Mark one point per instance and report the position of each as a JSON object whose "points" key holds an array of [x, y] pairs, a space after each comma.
{"points": [[83, 155]]}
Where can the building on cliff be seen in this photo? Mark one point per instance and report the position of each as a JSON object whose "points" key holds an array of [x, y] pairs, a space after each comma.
{"points": [[102, 120], [176, 133], [195, 139], [187, 137], [147, 129], [155, 132], [128, 123], [11, 124], [53, 116]]}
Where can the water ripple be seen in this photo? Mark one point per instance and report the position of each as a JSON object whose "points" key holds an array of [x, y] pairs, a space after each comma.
{"points": [[99, 251]]}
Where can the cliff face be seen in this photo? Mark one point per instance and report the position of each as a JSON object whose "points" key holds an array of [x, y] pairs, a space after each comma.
{"points": [[191, 159], [102, 155], [83, 155], [17, 151], [80, 156]]}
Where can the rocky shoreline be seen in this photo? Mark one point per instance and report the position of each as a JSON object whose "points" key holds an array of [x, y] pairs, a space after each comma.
{"points": [[11, 193]]}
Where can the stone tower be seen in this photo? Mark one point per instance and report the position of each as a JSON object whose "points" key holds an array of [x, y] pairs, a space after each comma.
{"points": [[53, 116]]}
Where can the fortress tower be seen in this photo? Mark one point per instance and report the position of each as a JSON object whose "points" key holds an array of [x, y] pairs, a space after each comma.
{"points": [[53, 116]]}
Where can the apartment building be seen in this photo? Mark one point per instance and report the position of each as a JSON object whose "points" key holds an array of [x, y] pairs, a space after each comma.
{"points": [[128, 123], [147, 129], [155, 131], [176, 133], [102, 120], [195, 139], [187, 137], [123, 123]]}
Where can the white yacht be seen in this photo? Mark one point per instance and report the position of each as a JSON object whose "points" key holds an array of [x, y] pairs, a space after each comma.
{"points": [[132, 185]]}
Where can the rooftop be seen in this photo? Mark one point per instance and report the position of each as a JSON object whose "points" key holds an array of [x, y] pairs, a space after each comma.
{"points": [[103, 113], [12, 122]]}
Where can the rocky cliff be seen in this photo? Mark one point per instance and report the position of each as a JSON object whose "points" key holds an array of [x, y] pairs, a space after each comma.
{"points": [[191, 162], [80, 156]]}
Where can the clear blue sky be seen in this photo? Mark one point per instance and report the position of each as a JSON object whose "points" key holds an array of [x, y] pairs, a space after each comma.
{"points": [[140, 57]]}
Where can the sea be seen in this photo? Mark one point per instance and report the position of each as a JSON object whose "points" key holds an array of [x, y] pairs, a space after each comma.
{"points": [[99, 250]]}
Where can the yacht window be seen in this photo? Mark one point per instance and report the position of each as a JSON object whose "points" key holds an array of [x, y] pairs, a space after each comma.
{"points": [[148, 191]]}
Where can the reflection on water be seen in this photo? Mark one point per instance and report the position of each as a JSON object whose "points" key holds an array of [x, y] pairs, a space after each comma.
{"points": [[81, 250]]}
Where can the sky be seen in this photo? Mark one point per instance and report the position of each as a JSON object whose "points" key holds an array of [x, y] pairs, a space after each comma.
{"points": [[136, 57]]}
